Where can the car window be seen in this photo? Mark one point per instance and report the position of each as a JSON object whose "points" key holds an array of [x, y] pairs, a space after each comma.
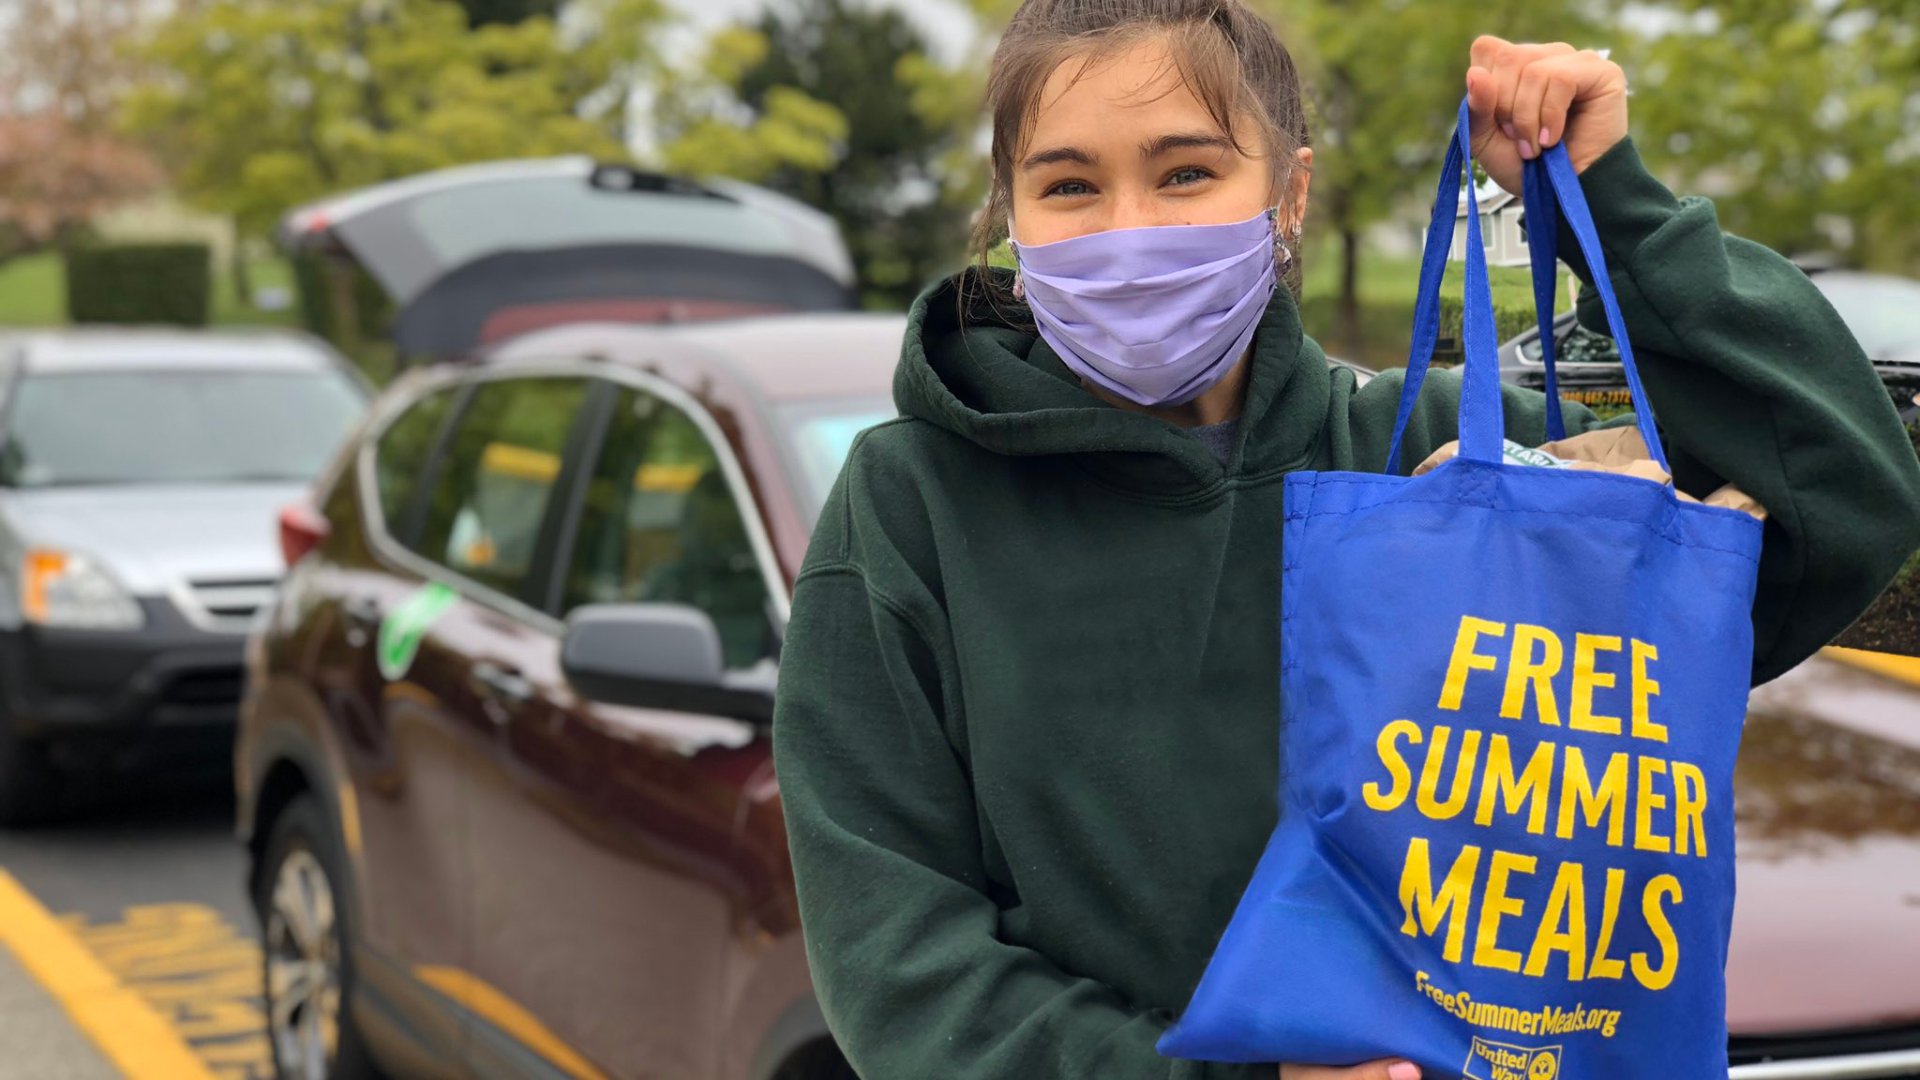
{"points": [[401, 455], [500, 468], [70, 429], [819, 436], [1578, 345], [1883, 313], [660, 524]]}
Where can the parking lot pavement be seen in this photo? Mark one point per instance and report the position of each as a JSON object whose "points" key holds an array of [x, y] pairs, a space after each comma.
{"points": [[148, 841], [68, 999], [127, 950], [40, 1039]]}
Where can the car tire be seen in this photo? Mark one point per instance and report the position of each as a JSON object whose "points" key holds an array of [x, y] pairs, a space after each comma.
{"points": [[29, 780], [306, 966]]}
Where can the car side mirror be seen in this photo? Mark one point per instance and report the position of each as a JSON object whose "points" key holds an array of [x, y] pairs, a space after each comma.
{"points": [[658, 656]]}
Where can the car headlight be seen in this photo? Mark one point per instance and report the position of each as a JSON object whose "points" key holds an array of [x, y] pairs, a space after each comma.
{"points": [[59, 588]]}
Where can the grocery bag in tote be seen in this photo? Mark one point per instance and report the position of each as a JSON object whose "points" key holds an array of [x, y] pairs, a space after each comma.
{"points": [[1511, 700]]}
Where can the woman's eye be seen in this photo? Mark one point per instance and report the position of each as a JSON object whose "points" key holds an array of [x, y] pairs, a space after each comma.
{"points": [[1192, 174], [1070, 189]]}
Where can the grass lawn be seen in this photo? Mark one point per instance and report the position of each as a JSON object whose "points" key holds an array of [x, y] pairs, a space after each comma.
{"points": [[33, 292], [1387, 286], [269, 273]]}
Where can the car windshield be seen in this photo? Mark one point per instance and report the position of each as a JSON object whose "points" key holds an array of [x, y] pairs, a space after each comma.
{"points": [[1882, 312], [819, 434], [141, 427]]}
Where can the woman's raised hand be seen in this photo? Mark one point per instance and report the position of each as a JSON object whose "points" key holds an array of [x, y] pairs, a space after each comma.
{"points": [[1525, 98], [1390, 1069]]}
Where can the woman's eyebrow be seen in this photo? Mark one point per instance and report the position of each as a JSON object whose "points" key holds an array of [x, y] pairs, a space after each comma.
{"points": [[1057, 155], [1185, 140]]}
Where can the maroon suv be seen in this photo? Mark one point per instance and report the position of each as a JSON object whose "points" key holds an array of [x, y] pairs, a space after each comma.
{"points": [[463, 865], [504, 766]]}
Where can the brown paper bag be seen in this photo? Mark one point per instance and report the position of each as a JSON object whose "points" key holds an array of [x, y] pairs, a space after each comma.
{"points": [[1615, 450]]}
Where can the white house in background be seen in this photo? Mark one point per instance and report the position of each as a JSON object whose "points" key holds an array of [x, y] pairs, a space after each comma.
{"points": [[1499, 228]]}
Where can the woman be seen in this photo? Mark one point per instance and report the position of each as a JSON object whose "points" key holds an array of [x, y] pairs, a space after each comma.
{"points": [[1028, 707]]}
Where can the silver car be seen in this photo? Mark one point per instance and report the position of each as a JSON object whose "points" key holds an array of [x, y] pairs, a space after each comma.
{"points": [[141, 473]]}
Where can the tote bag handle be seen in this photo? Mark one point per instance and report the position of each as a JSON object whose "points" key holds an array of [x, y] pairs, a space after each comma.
{"points": [[1536, 198], [1546, 180]]}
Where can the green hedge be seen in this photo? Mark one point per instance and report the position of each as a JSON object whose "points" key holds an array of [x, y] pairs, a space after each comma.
{"points": [[1386, 310], [1387, 328], [1513, 311], [341, 302], [328, 283], [140, 283]]}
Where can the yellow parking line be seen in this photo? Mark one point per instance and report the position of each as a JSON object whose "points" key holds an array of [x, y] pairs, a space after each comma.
{"points": [[125, 1028], [198, 972], [1904, 668]]}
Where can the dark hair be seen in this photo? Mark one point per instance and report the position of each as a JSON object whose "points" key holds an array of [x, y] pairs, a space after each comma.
{"points": [[1225, 53]]}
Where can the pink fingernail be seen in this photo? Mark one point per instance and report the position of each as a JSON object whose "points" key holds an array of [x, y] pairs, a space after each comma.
{"points": [[1543, 136], [1403, 1070], [1526, 149], [1508, 128]]}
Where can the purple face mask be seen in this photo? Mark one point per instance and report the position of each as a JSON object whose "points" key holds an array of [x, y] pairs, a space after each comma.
{"points": [[1155, 315]]}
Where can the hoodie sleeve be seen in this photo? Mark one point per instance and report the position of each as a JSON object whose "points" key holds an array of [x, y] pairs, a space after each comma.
{"points": [[1755, 380], [901, 936]]}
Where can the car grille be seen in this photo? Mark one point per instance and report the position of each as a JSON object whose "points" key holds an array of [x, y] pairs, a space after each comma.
{"points": [[227, 604], [1892, 1053]]}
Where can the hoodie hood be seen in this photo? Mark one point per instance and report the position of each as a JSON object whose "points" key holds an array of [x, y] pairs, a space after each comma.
{"points": [[978, 369]]}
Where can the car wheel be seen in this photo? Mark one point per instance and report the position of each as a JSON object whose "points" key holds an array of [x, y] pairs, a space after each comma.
{"points": [[303, 930], [29, 780]]}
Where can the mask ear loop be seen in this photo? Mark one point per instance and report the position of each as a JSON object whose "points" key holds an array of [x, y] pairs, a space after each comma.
{"points": [[1019, 281]]}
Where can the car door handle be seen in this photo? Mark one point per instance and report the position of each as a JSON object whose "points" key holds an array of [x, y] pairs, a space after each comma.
{"points": [[504, 685], [362, 617]]}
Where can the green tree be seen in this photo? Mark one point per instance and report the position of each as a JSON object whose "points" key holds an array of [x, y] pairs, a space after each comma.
{"points": [[260, 105], [1796, 118], [1384, 82], [883, 186], [483, 12], [949, 97], [702, 126]]}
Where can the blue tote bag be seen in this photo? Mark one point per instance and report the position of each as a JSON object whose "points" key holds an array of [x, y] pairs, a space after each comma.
{"points": [[1512, 699]]}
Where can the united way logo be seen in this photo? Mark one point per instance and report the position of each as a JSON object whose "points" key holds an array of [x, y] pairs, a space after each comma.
{"points": [[1504, 1061]]}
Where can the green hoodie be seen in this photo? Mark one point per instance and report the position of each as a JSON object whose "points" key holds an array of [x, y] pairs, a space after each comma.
{"points": [[1028, 716]]}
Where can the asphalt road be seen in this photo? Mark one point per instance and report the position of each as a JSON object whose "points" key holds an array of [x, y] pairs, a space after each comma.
{"points": [[158, 841], [144, 874]]}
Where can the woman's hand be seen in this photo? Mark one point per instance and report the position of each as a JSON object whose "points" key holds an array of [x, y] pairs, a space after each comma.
{"points": [[1525, 98], [1391, 1069]]}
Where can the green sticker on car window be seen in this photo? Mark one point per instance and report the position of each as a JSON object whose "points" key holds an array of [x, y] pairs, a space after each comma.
{"points": [[406, 626]]}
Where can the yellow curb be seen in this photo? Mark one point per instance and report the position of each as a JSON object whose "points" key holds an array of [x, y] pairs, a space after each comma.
{"points": [[125, 1028], [1904, 668]]}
